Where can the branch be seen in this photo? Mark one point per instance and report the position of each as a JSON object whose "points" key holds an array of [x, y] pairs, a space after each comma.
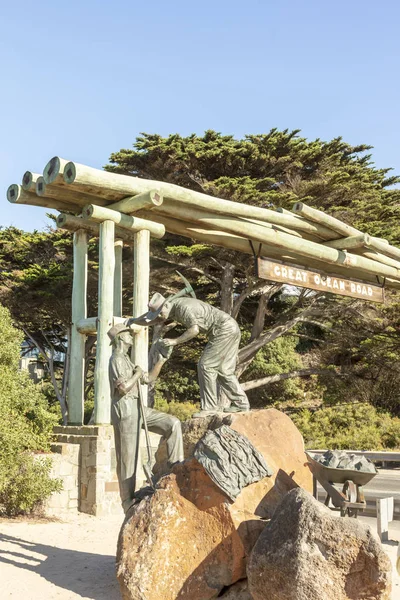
{"points": [[249, 351], [255, 383], [60, 397], [256, 287], [41, 349], [191, 268]]}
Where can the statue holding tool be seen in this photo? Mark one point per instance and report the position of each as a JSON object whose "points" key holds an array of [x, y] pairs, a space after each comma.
{"points": [[128, 414], [217, 363]]}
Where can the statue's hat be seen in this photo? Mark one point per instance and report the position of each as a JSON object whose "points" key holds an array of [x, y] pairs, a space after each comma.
{"points": [[117, 330], [157, 302], [155, 305]]}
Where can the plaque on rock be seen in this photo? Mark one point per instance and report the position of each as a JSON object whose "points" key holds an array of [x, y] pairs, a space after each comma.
{"points": [[317, 280], [231, 460]]}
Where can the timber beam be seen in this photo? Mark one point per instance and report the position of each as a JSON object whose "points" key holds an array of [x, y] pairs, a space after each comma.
{"points": [[89, 326], [72, 223], [131, 204], [126, 222], [17, 195]]}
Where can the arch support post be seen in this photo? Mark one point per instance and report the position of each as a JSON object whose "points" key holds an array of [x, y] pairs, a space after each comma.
{"points": [[76, 379], [141, 282], [118, 247], [102, 394]]}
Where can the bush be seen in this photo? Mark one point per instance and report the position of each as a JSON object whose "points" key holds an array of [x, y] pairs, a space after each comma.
{"points": [[351, 427], [279, 356], [25, 427], [182, 410]]}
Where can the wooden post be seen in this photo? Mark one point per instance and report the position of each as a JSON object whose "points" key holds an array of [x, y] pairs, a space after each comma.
{"points": [[141, 281], [77, 356], [102, 400], [118, 246]]}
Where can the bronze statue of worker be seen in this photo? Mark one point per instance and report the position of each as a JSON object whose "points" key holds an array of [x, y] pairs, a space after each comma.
{"points": [[126, 417], [217, 363]]}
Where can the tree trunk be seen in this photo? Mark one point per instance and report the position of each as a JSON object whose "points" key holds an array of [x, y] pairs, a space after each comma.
{"points": [[227, 288]]}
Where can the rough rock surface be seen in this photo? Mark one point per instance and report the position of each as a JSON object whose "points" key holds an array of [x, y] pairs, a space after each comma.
{"points": [[307, 553], [274, 435], [189, 540], [237, 591]]}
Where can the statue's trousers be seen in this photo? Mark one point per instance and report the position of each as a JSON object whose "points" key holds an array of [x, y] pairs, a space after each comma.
{"points": [[217, 366], [127, 423]]}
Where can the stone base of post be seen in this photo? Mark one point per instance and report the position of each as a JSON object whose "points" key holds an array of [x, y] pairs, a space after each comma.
{"points": [[98, 492], [97, 486]]}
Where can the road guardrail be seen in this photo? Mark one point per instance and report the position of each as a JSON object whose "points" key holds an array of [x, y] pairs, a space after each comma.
{"points": [[371, 455]]}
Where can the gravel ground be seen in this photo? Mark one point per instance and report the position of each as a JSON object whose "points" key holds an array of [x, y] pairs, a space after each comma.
{"points": [[75, 558]]}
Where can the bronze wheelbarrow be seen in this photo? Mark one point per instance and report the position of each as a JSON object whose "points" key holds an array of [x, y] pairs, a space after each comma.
{"points": [[350, 500]]}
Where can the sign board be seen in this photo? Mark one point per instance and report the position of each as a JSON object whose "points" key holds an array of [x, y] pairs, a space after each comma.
{"points": [[315, 280]]}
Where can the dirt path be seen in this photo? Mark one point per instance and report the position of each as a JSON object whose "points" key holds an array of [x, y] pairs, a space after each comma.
{"points": [[61, 560], [41, 560]]}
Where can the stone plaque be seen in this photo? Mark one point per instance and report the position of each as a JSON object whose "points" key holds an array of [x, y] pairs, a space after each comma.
{"points": [[316, 280]]}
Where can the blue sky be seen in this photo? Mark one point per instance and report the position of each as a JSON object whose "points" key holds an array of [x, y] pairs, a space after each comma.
{"points": [[83, 79]]}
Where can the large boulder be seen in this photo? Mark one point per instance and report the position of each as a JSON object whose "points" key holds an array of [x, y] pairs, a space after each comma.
{"points": [[308, 553], [188, 540], [274, 435]]}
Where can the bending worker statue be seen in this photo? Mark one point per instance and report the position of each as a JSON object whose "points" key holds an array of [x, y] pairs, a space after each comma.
{"points": [[126, 418], [217, 364]]}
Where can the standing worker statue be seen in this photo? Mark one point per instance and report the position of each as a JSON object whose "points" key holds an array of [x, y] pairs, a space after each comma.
{"points": [[217, 364], [125, 379]]}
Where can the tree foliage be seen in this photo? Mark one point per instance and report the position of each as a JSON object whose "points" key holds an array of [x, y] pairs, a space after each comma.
{"points": [[353, 426], [275, 170], [350, 346], [25, 426]]}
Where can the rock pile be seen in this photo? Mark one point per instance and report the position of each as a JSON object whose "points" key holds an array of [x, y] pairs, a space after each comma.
{"points": [[338, 459], [272, 541]]}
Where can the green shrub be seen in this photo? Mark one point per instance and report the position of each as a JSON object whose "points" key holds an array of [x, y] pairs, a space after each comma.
{"points": [[182, 410], [352, 426], [25, 427], [27, 484], [279, 356]]}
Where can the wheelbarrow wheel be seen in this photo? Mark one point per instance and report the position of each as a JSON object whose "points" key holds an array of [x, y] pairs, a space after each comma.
{"points": [[351, 493]]}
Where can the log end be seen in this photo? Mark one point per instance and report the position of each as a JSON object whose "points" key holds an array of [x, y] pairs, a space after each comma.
{"points": [[298, 207], [52, 170], [13, 193], [69, 172], [40, 186], [27, 180], [61, 220], [156, 197], [87, 211]]}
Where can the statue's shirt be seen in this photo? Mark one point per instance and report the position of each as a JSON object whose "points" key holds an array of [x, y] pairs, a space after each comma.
{"points": [[190, 311], [120, 371]]}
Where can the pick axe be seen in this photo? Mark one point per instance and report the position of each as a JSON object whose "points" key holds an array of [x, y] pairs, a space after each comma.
{"points": [[187, 290]]}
